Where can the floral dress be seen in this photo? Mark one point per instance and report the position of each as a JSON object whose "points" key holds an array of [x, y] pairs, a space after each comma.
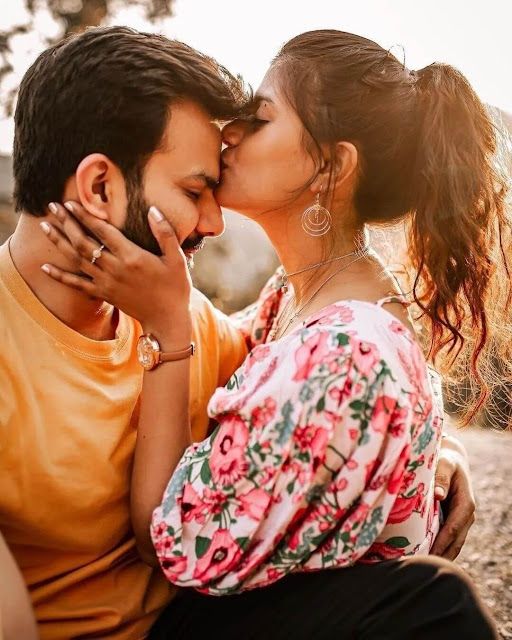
{"points": [[323, 455]]}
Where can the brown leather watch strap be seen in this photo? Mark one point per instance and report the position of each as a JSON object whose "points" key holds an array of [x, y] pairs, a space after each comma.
{"points": [[173, 356]]}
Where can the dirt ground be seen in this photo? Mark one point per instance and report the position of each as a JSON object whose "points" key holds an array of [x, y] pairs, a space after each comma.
{"points": [[487, 555]]}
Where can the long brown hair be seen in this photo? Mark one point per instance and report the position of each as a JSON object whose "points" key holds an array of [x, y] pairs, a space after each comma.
{"points": [[428, 150]]}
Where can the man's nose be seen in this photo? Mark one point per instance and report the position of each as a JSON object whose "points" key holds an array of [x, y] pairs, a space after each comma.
{"points": [[211, 221]]}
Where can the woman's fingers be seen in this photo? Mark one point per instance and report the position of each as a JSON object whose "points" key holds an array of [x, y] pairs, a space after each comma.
{"points": [[77, 263], [71, 280], [164, 233], [106, 233], [82, 244]]}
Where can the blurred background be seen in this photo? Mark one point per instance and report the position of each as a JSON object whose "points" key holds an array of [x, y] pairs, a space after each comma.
{"points": [[472, 35]]}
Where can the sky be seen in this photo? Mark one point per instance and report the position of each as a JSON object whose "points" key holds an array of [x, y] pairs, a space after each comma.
{"points": [[244, 36]]}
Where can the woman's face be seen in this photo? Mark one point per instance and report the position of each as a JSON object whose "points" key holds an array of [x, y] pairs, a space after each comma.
{"points": [[265, 164]]}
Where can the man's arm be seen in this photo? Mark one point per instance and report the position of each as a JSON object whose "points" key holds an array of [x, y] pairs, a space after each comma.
{"points": [[17, 618]]}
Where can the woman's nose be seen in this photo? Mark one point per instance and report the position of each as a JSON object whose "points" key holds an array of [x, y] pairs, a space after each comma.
{"points": [[233, 132]]}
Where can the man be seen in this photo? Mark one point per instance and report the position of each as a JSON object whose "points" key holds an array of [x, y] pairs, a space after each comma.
{"points": [[114, 119]]}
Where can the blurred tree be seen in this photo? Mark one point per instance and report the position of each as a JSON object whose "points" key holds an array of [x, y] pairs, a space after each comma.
{"points": [[72, 16]]}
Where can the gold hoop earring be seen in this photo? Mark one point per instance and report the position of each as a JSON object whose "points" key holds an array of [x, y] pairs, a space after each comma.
{"points": [[316, 220]]}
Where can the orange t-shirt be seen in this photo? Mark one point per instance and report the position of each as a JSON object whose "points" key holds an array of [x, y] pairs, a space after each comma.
{"points": [[67, 437]]}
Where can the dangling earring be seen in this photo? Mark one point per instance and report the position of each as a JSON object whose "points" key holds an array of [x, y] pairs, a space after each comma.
{"points": [[316, 220]]}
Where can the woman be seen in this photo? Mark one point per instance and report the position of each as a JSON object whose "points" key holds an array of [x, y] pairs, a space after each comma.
{"points": [[328, 434]]}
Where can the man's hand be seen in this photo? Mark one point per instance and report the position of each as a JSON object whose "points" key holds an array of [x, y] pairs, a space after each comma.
{"points": [[453, 487]]}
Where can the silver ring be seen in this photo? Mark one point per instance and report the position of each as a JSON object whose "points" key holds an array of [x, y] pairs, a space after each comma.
{"points": [[96, 254]]}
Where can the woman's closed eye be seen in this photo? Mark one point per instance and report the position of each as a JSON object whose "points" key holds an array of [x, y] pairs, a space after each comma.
{"points": [[255, 122]]}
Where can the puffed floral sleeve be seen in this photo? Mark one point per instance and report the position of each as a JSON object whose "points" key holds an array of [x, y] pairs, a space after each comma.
{"points": [[256, 320], [323, 456]]}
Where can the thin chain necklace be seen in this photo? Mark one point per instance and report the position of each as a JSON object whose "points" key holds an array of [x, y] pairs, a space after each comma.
{"points": [[286, 276], [277, 331]]}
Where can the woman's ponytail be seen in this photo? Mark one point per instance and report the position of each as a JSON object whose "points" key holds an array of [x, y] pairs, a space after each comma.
{"points": [[460, 231]]}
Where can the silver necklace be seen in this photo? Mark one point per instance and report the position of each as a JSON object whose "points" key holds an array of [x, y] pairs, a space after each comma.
{"points": [[276, 332], [286, 276]]}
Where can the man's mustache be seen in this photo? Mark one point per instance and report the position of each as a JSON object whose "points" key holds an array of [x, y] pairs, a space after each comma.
{"points": [[193, 243]]}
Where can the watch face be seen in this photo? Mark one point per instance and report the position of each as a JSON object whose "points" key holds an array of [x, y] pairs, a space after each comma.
{"points": [[147, 351]]}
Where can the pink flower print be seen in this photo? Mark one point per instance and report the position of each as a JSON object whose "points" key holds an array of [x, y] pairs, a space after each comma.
{"points": [[222, 554], [259, 354], [323, 516], [310, 354], [371, 469], [164, 546], [262, 415], [214, 500], [173, 567], [192, 507], [398, 328], [273, 574], [398, 419], [341, 484], [227, 458], [409, 478], [397, 475], [402, 509], [338, 394], [340, 313], [314, 440], [382, 411], [382, 551], [254, 504], [159, 529], [365, 356], [357, 517], [295, 527]]}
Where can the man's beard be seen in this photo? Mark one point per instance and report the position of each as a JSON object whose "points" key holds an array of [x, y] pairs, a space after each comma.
{"points": [[136, 227]]}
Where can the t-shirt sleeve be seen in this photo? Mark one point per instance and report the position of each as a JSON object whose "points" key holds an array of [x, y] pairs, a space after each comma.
{"points": [[304, 462]]}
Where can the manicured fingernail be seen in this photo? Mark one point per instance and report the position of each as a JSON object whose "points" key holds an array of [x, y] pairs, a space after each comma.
{"points": [[45, 268], [53, 207], [439, 493], [45, 227], [155, 214], [69, 206]]}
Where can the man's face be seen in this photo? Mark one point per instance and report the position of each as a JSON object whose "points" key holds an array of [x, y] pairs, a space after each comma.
{"points": [[179, 179]]}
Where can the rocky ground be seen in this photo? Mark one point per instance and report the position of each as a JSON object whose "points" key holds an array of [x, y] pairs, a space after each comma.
{"points": [[487, 555]]}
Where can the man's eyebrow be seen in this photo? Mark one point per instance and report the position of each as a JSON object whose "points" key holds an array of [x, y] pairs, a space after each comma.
{"points": [[209, 181]]}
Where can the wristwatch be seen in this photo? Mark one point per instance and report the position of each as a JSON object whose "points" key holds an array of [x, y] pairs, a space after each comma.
{"points": [[150, 354]]}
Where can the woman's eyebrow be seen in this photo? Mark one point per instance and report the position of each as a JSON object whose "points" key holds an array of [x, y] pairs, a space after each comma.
{"points": [[252, 105], [261, 98]]}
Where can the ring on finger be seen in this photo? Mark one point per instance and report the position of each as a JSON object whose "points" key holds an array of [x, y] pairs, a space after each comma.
{"points": [[96, 254]]}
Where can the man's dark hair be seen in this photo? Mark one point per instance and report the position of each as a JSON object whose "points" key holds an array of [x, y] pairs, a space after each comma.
{"points": [[107, 90]]}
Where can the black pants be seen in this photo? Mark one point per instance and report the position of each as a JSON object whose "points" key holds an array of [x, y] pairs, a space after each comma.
{"points": [[412, 599]]}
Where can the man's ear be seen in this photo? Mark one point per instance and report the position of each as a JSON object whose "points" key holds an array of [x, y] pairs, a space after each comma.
{"points": [[101, 188]]}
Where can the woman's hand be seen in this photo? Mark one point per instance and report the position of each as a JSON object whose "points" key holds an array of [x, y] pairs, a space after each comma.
{"points": [[453, 487], [146, 287]]}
